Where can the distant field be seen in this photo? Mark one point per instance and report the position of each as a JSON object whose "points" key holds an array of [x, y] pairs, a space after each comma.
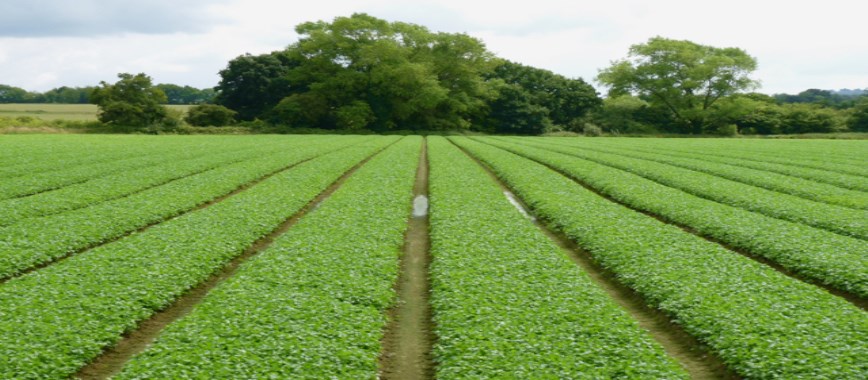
{"points": [[81, 112]]}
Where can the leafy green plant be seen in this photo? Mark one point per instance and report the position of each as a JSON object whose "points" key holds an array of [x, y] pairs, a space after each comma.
{"points": [[311, 306], [57, 319], [760, 322], [508, 302]]}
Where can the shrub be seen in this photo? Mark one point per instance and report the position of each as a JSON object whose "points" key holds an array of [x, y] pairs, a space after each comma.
{"points": [[210, 115]]}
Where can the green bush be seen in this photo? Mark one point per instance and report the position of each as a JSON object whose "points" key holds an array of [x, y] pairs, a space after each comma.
{"points": [[210, 115]]}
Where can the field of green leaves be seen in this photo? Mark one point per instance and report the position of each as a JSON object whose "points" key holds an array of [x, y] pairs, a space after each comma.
{"points": [[284, 257]]}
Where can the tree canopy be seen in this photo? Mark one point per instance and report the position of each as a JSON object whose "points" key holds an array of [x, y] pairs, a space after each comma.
{"points": [[132, 101], [683, 77], [360, 72]]}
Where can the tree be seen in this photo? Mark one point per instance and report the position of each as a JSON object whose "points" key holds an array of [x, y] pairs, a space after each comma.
{"points": [[214, 115], [10, 94], [683, 77], [622, 114], [563, 100], [176, 94], [515, 112], [362, 72], [252, 85], [132, 101], [810, 118], [858, 119]]}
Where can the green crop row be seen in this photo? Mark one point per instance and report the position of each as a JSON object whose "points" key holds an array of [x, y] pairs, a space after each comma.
{"points": [[846, 181], [45, 181], [822, 256], [803, 188], [55, 320], [313, 305], [31, 154], [839, 219], [762, 324], [508, 302], [819, 154], [121, 184], [32, 242]]}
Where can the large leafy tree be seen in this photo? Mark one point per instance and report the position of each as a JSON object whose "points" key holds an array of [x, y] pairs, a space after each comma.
{"points": [[683, 77], [858, 120], [530, 99], [253, 84], [132, 101], [362, 72]]}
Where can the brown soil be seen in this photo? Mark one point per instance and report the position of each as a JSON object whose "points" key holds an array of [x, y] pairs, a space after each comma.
{"points": [[409, 336], [854, 299], [112, 360], [693, 356]]}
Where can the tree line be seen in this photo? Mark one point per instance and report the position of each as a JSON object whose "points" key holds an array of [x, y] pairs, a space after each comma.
{"points": [[175, 94], [361, 73]]}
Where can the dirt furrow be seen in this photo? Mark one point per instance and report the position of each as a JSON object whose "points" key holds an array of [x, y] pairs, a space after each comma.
{"points": [[699, 362], [850, 297], [409, 336], [111, 361]]}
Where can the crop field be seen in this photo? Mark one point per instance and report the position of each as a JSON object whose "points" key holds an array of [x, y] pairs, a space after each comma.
{"points": [[50, 111], [389, 257]]}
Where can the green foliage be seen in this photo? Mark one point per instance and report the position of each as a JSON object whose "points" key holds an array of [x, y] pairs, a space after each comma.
{"points": [[108, 290], [858, 119], [320, 309], [252, 85], [532, 99], [805, 118], [624, 114], [176, 94], [204, 115], [12, 94], [514, 112], [835, 218], [362, 72], [102, 221], [131, 102], [508, 302], [819, 255], [762, 323], [683, 77]]}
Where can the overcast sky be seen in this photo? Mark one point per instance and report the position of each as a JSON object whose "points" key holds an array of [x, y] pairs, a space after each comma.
{"points": [[799, 44]]}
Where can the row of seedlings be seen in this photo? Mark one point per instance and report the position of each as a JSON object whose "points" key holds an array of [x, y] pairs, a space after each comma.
{"points": [[29, 154], [817, 191], [124, 183], [36, 183], [33, 242], [842, 220], [847, 181], [55, 320], [818, 154], [508, 302], [311, 306], [761, 323], [821, 256]]}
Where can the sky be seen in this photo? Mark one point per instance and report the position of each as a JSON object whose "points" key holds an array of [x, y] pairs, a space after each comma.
{"points": [[799, 44]]}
